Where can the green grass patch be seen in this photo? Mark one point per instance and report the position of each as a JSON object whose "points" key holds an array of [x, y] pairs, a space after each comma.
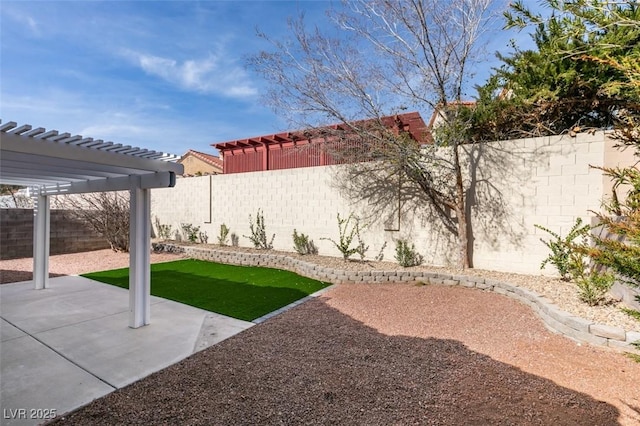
{"points": [[634, 357], [243, 292], [632, 313]]}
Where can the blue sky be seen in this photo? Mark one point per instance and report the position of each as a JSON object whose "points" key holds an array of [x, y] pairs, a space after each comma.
{"points": [[165, 75]]}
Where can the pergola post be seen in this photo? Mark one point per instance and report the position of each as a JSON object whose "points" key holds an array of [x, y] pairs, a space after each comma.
{"points": [[41, 237], [139, 257]]}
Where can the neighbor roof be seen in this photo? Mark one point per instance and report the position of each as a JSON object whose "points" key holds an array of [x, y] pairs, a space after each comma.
{"points": [[207, 158], [411, 122]]}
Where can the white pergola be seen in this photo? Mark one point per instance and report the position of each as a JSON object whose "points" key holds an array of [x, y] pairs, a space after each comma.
{"points": [[52, 163]]}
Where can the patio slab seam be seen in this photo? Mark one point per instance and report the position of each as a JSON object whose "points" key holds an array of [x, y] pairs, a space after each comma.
{"points": [[60, 354]]}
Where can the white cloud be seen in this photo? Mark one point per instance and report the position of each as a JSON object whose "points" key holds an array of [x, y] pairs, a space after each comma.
{"points": [[25, 20], [209, 75], [128, 125]]}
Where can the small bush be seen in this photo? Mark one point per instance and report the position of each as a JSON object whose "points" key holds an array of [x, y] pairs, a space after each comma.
{"points": [[562, 248], [407, 255], [347, 236], [164, 231], [380, 256], [235, 240], [634, 357], [259, 233], [632, 313], [190, 232], [203, 237], [592, 284], [302, 244], [105, 212], [223, 237], [361, 248]]}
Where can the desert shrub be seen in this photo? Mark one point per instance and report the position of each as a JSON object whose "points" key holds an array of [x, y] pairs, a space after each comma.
{"points": [[348, 230], [361, 248], [223, 236], [259, 233], [190, 232], [380, 256], [407, 255], [105, 212], [592, 283], [593, 287], [619, 248], [203, 238], [302, 244], [164, 231], [632, 313], [562, 248]]}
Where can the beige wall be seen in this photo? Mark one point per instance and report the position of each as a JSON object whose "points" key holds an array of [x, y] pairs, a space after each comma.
{"points": [[193, 166], [544, 181]]}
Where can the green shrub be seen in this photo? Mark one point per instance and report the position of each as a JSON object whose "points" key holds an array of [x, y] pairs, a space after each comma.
{"points": [[190, 232], [407, 255], [348, 229], [632, 313], [223, 237], [259, 233], [592, 284], [593, 287], [562, 248], [302, 244], [164, 231]]}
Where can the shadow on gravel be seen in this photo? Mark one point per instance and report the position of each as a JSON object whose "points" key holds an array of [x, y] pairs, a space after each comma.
{"points": [[9, 276], [314, 365]]}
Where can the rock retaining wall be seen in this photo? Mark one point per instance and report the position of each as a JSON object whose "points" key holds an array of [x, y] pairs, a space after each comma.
{"points": [[557, 320]]}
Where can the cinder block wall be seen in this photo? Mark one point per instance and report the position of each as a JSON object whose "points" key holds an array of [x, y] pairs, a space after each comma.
{"points": [[67, 235], [517, 184]]}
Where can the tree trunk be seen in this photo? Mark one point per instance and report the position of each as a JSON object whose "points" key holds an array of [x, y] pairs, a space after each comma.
{"points": [[461, 213], [463, 238]]}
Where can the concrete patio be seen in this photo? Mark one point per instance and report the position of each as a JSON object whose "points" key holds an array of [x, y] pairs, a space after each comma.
{"points": [[68, 344]]}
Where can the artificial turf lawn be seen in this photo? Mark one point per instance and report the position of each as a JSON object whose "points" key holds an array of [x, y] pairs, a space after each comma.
{"points": [[243, 292]]}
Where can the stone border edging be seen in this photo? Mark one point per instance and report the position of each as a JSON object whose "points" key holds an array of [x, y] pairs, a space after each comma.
{"points": [[554, 318]]}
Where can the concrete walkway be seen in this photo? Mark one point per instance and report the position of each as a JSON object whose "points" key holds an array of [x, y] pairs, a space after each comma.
{"points": [[67, 345]]}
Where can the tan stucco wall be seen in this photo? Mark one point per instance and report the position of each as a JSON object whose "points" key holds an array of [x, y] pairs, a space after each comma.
{"points": [[544, 181], [193, 166]]}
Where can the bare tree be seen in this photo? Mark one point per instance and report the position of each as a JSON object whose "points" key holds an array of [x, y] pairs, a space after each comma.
{"points": [[106, 212], [18, 199], [379, 58]]}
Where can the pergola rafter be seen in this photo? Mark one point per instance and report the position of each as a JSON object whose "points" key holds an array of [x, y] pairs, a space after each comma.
{"points": [[53, 163]]}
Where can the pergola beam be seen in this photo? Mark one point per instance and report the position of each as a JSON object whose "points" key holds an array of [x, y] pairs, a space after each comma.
{"points": [[21, 144], [122, 183], [46, 163]]}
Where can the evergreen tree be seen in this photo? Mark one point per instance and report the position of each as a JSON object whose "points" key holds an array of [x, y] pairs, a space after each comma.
{"points": [[583, 74]]}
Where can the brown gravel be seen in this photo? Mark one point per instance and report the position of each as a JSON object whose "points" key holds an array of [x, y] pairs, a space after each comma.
{"points": [[379, 354], [387, 354], [15, 270]]}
